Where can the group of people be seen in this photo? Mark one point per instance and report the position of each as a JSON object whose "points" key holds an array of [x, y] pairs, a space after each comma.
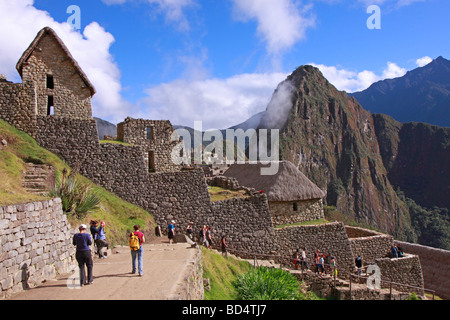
{"points": [[83, 240], [322, 263], [396, 251], [204, 237]]}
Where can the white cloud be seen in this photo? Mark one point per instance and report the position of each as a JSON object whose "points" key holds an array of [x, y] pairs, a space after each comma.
{"points": [[281, 23], [393, 71], [219, 103], [421, 62], [90, 49], [352, 81]]}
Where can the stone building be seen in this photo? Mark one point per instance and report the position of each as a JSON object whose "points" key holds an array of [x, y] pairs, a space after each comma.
{"points": [[62, 88], [291, 195], [155, 139]]}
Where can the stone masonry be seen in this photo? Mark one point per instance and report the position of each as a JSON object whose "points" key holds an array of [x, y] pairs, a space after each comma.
{"points": [[36, 244]]}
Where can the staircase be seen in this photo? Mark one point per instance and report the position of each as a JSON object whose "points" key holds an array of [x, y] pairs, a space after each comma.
{"points": [[38, 178]]}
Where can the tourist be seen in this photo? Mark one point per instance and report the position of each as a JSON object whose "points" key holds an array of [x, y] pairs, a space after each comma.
{"points": [[296, 258], [359, 264], [303, 257], [190, 230], [137, 254], [223, 246], [316, 260], [400, 251], [320, 265], [333, 266], [394, 252], [203, 239], [171, 231], [98, 233], [82, 241], [209, 237]]}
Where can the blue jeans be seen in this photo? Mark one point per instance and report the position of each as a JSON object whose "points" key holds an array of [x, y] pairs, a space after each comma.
{"points": [[137, 254]]}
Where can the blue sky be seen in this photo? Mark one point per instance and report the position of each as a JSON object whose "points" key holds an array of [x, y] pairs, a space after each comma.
{"points": [[220, 60]]}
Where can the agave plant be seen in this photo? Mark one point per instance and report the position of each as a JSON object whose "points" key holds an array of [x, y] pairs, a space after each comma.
{"points": [[76, 199]]}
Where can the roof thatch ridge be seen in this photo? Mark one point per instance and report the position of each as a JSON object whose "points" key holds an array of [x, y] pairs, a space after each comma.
{"points": [[27, 53], [287, 184]]}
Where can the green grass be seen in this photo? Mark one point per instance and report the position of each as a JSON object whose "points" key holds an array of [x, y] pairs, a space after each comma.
{"points": [[222, 273], [265, 283], [305, 223], [218, 194], [115, 142], [120, 216]]}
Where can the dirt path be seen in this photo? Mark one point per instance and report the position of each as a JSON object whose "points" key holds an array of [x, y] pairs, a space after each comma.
{"points": [[164, 267]]}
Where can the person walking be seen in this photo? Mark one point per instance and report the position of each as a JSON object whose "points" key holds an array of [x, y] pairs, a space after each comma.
{"points": [[203, 239], [82, 241], [171, 231], [98, 233], [303, 257], [359, 264], [224, 246], [209, 237], [136, 240], [190, 230]]}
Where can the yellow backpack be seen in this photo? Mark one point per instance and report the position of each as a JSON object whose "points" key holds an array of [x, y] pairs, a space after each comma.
{"points": [[134, 242]]}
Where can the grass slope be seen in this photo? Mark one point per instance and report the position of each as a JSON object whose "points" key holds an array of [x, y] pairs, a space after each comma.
{"points": [[119, 215]]}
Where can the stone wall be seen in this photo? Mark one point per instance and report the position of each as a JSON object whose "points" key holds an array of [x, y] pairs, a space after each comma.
{"points": [[327, 238], [289, 212], [18, 105], [246, 223], [371, 245], [73, 140], [155, 138], [36, 244], [406, 270], [435, 267], [192, 287]]}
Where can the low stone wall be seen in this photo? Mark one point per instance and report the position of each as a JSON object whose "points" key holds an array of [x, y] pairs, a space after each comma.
{"points": [[371, 245], [36, 245], [191, 288], [246, 223], [284, 213], [327, 238], [435, 267], [406, 270]]}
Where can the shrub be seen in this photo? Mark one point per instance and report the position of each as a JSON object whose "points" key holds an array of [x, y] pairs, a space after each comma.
{"points": [[77, 199], [268, 284]]}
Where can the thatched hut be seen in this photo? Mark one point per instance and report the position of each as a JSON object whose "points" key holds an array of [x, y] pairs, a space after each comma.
{"points": [[291, 195]]}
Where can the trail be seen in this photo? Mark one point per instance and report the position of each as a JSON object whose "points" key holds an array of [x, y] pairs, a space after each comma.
{"points": [[164, 267]]}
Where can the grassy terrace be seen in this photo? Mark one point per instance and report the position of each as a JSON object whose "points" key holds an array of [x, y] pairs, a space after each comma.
{"points": [[119, 215], [218, 194]]}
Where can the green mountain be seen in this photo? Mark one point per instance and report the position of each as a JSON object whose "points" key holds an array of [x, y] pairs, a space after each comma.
{"points": [[375, 170]]}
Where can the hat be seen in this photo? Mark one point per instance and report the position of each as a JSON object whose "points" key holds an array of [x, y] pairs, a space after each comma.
{"points": [[83, 226], [173, 221]]}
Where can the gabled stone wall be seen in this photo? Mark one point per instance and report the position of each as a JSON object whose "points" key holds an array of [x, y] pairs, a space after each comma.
{"points": [[155, 139], [71, 96]]}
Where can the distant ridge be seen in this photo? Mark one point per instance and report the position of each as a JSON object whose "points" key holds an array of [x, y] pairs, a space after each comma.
{"points": [[421, 95]]}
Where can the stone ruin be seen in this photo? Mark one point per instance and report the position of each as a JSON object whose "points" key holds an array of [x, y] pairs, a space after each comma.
{"points": [[53, 105]]}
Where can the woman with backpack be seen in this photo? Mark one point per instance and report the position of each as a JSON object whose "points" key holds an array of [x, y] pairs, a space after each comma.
{"points": [[136, 240]]}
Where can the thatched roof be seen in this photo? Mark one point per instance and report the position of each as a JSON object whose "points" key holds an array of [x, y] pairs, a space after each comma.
{"points": [[288, 184], [49, 31]]}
